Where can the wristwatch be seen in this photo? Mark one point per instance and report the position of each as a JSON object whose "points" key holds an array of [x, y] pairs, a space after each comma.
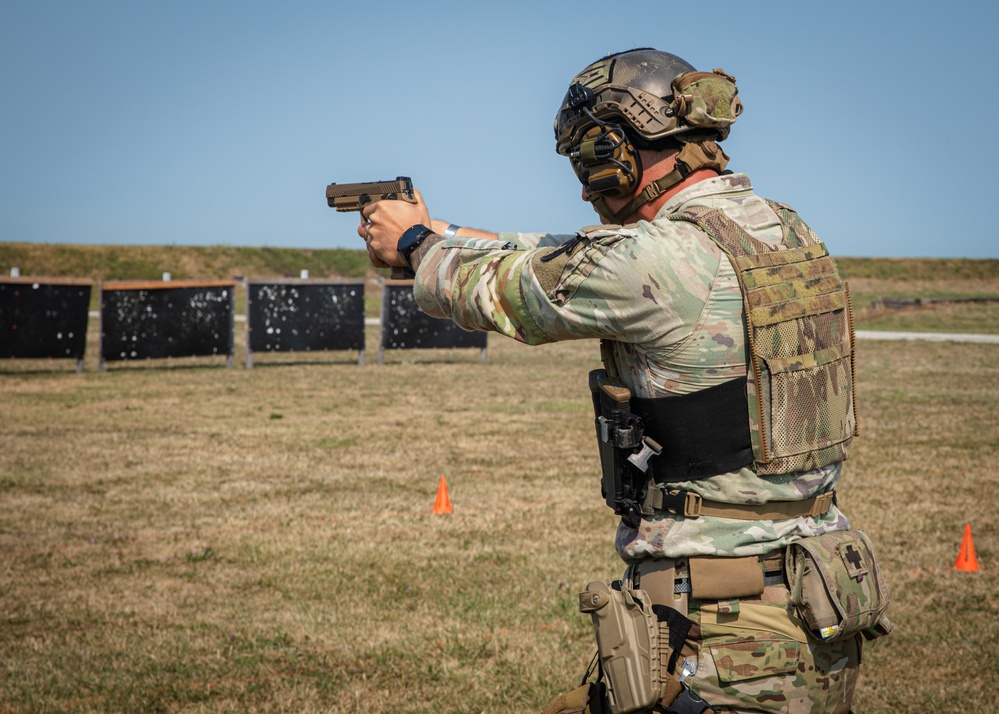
{"points": [[411, 240]]}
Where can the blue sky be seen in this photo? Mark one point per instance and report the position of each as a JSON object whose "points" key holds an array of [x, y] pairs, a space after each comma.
{"points": [[206, 123]]}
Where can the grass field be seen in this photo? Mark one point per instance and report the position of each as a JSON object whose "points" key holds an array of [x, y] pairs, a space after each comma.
{"points": [[177, 536]]}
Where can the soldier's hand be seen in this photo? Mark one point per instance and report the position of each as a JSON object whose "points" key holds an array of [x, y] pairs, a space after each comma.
{"points": [[384, 222]]}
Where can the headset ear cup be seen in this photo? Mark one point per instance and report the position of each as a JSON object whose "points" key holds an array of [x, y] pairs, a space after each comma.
{"points": [[631, 158], [607, 163]]}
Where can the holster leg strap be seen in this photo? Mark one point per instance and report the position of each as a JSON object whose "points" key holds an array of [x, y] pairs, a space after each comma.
{"points": [[587, 699], [686, 702]]}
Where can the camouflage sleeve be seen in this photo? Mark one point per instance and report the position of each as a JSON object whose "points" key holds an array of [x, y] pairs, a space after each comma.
{"points": [[527, 241], [588, 287]]}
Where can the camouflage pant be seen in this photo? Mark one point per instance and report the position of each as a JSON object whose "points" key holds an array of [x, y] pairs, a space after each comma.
{"points": [[754, 656]]}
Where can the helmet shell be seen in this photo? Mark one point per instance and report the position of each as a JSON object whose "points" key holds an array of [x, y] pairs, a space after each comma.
{"points": [[636, 90]]}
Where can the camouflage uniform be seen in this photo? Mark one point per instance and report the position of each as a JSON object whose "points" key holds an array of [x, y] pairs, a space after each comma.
{"points": [[668, 301]]}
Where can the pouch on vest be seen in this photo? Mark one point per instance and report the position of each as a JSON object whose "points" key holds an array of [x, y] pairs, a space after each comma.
{"points": [[837, 587]]}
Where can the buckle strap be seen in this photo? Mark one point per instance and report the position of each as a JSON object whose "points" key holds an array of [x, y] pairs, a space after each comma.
{"points": [[649, 193], [823, 503], [685, 503], [679, 502]]}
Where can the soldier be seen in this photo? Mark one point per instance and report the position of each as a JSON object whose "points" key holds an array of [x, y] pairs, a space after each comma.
{"points": [[725, 408]]}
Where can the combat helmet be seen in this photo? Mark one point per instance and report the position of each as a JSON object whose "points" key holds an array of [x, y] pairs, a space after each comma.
{"points": [[644, 99]]}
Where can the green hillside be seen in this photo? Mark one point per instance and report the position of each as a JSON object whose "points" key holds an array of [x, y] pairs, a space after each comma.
{"points": [[149, 262]]}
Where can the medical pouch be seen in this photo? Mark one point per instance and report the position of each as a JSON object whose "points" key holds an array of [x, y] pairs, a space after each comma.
{"points": [[836, 586]]}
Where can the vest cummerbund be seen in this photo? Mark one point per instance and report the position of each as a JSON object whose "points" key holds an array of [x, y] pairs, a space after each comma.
{"points": [[703, 434]]}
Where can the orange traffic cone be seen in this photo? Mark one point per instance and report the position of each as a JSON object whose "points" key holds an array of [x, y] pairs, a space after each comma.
{"points": [[966, 558], [442, 504]]}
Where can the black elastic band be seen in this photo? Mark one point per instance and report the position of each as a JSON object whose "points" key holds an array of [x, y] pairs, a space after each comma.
{"points": [[702, 434]]}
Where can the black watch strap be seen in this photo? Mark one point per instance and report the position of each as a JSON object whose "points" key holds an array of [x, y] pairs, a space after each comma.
{"points": [[411, 240]]}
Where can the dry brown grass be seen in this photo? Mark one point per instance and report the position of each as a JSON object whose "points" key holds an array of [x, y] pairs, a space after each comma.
{"points": [[182, 537], [981, 317]]}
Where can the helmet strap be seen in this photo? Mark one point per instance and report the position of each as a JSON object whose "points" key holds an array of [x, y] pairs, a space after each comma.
{"points": [[692, 157]]}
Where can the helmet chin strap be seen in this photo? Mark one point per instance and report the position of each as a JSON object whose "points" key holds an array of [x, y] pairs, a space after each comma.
{"points": [[692, 157]]}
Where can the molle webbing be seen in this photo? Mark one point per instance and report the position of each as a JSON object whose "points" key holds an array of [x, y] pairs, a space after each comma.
{"points": [[799, 327]]}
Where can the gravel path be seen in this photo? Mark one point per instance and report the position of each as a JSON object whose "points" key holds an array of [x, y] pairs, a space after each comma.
{"points": [[927, 336]]}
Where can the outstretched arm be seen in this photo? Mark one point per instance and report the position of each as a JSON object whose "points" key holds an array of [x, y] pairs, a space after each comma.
{"points": [[384, 222], [439, 227]]}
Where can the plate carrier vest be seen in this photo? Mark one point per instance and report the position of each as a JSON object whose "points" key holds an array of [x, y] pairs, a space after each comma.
{"points": [[800, 384]]}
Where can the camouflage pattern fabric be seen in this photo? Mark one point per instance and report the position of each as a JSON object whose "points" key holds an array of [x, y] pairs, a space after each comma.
{"points": [[668, 305], [758, 659], [837, 587], [801, 343]]}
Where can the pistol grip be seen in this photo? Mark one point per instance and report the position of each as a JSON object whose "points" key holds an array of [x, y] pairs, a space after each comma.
{"points": [[616, 393]]}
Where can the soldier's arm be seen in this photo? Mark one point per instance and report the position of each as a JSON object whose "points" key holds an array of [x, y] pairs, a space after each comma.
{"points": [[383, 222], [440, 228], [584, 289], [525, 241]]}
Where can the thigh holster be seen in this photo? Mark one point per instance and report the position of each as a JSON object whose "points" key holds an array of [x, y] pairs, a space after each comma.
{"points": [[638, 647]]}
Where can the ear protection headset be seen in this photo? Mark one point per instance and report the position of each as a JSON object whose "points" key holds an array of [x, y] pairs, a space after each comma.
{"points": [[605, 160]]}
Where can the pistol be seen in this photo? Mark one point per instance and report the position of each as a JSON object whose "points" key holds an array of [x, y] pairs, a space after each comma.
{"points": [[619, 437], [355, 196]]}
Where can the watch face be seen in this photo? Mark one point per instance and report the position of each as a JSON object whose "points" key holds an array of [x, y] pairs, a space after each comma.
{"points": [[411, 236], [411, 240]]}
